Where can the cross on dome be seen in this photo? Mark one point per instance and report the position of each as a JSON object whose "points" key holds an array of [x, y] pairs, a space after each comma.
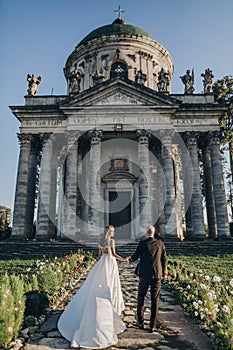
{"points": [[119, 11]]}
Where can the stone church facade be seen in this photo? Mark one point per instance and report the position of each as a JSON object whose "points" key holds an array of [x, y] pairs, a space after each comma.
{"points": [[119, 148]]}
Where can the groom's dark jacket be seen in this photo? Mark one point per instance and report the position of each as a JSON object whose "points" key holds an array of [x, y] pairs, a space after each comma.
{"points": [[152, 254]]}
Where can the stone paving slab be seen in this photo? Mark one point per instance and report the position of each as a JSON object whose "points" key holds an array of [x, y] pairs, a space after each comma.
{"points": [[177, 330]]}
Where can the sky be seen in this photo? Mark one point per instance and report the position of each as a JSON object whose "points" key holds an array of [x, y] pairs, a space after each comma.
{"points": [[38, 36]]}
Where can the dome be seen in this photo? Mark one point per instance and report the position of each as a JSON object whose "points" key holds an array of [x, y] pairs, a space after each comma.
{"points": [[117, 27], [117, 50]]}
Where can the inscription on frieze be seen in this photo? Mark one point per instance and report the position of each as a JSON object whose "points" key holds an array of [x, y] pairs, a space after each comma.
{"points": [[47, 122], [196, 121], [125, 119]]}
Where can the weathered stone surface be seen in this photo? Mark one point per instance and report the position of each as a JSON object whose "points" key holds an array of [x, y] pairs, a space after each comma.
{"points": [[55, 334], [51, 324], [133, 338], [55, 343]]}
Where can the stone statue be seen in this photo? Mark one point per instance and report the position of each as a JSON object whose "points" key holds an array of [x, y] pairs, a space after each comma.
{"points": [[207, 81], [188, 81], [98, 77], [163, 81], [140, 77], [33, 83], [74, 82]]}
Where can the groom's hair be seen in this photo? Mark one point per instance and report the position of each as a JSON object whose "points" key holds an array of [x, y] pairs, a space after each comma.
{"points": [[150, 230]]}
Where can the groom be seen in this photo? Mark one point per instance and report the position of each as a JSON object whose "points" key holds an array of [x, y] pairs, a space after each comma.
{"points": [[152, 267]]}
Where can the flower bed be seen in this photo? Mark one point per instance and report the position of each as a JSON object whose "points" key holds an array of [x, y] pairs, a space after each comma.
{"points": [[34, 285], [204, 287]]}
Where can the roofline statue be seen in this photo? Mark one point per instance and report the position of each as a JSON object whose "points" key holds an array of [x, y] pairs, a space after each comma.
{"points": [[163, 81], [207, 81], [33, 83], [188, 81]]}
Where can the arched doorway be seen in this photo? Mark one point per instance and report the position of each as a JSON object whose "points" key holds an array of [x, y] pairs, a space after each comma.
{"points": [[120, 198]]}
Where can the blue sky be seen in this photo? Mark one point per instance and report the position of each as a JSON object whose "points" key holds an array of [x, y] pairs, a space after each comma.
{"points": [[38, 36]]}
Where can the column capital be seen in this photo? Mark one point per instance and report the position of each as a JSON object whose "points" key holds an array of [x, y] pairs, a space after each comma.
{"points": [[143, 135], [213, 137], [191, 137], [95, 136], [166, 136], [45, 137], [24, 138], [73, 136]]}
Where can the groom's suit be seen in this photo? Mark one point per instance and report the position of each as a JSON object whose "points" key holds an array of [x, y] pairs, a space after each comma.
{"points": [[152, 267]]}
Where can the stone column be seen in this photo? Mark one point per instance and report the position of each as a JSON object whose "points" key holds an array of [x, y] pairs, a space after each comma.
{"points": [[71, 178], [178, 205], [196, 199], [94, 211], [61, 196], [168, 168], [80, 203], [209, 192], [43, 219], [144, 180], [19, 217], [31, 191], [53, 197], [187, 177], [219, 189], [154, 186], [161, 195], [84, 172]]}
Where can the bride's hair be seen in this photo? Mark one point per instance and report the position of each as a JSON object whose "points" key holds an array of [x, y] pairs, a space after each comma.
{"points": [[107, 228], [105, 235]]}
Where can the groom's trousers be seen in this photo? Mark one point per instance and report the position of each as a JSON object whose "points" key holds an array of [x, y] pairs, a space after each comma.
{"points": [[143, 286]]}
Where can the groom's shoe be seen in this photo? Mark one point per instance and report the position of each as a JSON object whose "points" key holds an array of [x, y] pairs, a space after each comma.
{"points": [[152, 330], [140, 325]]}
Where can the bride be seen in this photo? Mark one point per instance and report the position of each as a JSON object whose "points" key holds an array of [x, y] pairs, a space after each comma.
{"points": [[92, 318]]}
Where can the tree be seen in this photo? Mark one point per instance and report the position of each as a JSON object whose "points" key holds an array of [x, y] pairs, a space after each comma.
{"points": [[5, 221], [223, 92]]}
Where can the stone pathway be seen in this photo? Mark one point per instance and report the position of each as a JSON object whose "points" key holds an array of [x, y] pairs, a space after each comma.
{"points": [[176, 332]]}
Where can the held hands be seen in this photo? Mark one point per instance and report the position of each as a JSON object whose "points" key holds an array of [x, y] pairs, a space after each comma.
{"points": [[127, 259]]}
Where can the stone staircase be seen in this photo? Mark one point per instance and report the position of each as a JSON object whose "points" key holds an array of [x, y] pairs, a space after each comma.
{"points": [[13, 248]]}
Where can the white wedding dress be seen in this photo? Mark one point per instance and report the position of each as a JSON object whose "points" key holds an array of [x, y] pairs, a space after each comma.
{"points": [[92, 318]]}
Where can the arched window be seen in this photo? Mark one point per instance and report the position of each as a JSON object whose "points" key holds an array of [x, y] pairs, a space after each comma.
{"points": [[119, 69]]}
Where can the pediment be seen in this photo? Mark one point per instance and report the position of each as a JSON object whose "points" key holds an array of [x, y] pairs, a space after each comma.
{"points": [[120, 98], [121, 92]]}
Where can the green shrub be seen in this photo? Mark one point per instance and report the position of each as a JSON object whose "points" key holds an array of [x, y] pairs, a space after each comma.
{"points": [[36, 303], [12, 305]]}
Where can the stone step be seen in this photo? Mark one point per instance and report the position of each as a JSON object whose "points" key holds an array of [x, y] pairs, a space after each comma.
{"points": [[28, 248]]}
